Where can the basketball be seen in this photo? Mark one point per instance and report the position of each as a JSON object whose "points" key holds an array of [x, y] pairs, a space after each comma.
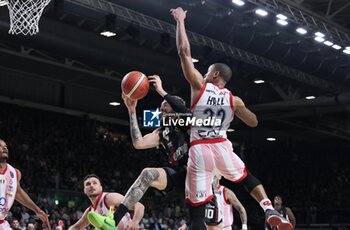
{"points": [[135, 85]]}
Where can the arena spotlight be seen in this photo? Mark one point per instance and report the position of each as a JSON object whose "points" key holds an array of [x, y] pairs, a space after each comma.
{"points": [[230, 130], [319, 39], [195, 60], [261, 12], [108, 33], [281, 16], [319, 34], [109, 30], [310, 97], [271, 139], [114, 103], [301, 30], [282, 22], [348, 47], [328, 43], [238, 2], [347, 51], [337, 47], [3, 3], [259, 81]]}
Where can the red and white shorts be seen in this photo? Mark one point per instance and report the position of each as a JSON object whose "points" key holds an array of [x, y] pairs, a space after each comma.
{"points": [[206, 159]]}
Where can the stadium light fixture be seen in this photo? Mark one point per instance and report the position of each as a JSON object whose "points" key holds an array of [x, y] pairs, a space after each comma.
{"points": [[328, 43], [282, 22], [310, 97], [108, 33], [109, 27], [114, 103], [261, 12], [195, 60], [259, 81], [238, 2], [281, 16], [301, 30], [319, 34], [347, 51], [230, 130], [271, 139], [337, 47], [319, 39]]}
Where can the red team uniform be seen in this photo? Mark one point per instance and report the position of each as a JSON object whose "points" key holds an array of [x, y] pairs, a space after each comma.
{"points": [[211, 151], [8, 188], [103, 209], [225, 208]]}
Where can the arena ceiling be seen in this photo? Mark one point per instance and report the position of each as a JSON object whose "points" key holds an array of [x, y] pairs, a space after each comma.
{"points": [[337, 11], [70, 67]]}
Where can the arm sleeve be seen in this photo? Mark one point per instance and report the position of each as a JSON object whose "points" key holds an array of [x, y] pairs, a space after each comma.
{"points": [[176, 104]]}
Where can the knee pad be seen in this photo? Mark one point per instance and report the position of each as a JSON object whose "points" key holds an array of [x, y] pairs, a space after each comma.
{"points": [[197, 217], [250, 182], [197, 211]]}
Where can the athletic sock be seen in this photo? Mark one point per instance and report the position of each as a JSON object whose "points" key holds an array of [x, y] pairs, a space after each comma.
{"points": [[118, 215], [266, 204]]}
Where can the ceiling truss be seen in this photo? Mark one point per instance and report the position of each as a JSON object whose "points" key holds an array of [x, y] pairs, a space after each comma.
{"points": [[154, 24]]}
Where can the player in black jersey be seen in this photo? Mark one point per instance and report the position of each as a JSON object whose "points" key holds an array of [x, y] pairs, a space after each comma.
{"points": [[175, 141], [283, 210]]}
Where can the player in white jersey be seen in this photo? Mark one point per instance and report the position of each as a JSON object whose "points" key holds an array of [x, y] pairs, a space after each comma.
{"points": [[226, 200], [101, 203], [210, 150], [11, 190]]}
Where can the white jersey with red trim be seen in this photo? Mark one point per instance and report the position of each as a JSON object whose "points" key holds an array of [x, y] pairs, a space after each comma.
{"points": [[8, 188], [214, 106], [225, 208], [103, 209]]}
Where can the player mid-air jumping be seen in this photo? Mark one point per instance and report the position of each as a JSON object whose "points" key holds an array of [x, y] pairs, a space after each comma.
{"points": [[210, 150]]}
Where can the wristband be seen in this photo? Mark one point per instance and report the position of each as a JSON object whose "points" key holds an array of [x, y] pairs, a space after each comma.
{"points": [[244, 227]]}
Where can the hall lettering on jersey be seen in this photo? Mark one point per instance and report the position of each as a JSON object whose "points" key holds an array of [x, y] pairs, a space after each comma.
{"points": [[216, 101]]}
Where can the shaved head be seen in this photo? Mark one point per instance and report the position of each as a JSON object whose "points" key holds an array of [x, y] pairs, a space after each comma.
{"points": [[224, 70]]}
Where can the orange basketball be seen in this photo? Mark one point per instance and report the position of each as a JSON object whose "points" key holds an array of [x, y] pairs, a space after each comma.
{"points": [[135, 85]]}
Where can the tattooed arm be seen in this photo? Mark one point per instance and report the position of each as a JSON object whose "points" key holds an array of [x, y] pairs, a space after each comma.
{"points": [[231, 197], [150, 140]]}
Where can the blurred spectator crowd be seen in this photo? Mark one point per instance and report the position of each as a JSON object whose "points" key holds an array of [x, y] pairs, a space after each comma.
{"points": [[54, 152]]}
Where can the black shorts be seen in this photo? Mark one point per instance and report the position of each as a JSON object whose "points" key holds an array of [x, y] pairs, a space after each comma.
{"points": [[175, 178], [212, 213]]}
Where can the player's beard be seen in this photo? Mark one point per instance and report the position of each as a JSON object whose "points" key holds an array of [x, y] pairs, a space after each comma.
{"points": [[4, 158]]}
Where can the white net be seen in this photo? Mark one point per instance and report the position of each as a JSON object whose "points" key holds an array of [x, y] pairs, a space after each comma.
{"points": [[25, 15]]}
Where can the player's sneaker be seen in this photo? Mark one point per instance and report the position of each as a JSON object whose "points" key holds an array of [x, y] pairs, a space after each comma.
{"points": [[102, 222], [274, 219]]}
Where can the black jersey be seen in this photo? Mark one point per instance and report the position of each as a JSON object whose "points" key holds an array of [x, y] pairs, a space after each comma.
{"points": [[283, 212], [176, 141]]}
